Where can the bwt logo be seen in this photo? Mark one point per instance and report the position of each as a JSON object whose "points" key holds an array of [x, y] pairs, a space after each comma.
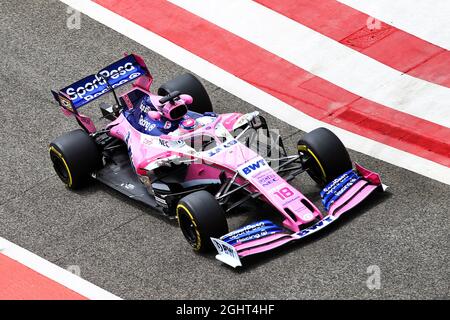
{"points": [[254, 166]]}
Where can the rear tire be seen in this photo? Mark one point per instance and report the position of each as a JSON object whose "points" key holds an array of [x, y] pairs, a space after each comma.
{"points": [[188, 84], [327, 156], [74, 157], [200, 217]]}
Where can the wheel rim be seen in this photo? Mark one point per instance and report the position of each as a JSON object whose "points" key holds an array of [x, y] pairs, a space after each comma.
{"points": [[313, 167], [60, 166], [314, 172], [188, 227]]}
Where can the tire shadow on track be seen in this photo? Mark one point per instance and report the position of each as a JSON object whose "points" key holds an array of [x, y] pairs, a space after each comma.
{"points": [[96, 186]]}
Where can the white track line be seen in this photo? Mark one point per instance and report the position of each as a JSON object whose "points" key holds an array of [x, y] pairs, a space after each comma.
{"points": [[253, 95], [53, 272], [326, 58], [426, 19]]}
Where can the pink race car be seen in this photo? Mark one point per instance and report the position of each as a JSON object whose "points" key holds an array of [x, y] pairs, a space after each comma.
{"points": [[172, 152]]}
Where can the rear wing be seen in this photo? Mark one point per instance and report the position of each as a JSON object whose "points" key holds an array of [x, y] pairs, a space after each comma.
{"points": [[121, 72]]}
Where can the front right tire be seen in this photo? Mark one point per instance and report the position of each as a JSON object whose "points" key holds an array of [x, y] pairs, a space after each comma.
{"points": [[327, 156]]}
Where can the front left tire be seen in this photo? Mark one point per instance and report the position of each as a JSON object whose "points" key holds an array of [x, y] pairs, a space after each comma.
{"points": [[201, 217], [327, 156]]}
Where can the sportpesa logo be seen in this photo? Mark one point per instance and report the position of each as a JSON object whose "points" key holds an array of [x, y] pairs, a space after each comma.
{"points": [[96, 85]]}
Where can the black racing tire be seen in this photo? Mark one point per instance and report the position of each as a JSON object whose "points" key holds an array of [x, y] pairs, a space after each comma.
{"points": [[188, 84], [74, 156], [326, 154], [200, 217]]}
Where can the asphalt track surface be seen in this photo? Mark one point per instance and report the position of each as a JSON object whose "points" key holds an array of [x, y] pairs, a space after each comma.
{"points": [[126, 249]]}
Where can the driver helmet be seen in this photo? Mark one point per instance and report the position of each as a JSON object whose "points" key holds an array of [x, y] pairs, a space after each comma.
{"points": [[171, 111], [177, 108], [174, 111]]}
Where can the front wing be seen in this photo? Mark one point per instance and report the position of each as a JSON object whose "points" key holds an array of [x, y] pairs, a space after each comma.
{"points": [[338, 197]]}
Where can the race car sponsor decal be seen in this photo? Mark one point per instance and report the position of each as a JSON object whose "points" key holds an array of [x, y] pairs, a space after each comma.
{"points": [[267, 180], [333, 191], [258, 235], [226, 253], [65, 103], [93, 86], [161, 201], [147, 125], [335, 183], [246, 228], [253, 167], [167, 125], [128, 186], [217, 150], [145, 108], [341, 191], [254, 234], [172, 143], [254, 230], [145, 139], [318, 226]]}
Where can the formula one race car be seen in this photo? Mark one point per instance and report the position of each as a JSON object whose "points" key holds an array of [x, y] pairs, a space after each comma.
{"points": [[172, 152]]}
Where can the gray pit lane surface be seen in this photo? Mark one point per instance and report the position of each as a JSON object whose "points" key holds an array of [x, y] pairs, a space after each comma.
{"points": [[124, 248]]}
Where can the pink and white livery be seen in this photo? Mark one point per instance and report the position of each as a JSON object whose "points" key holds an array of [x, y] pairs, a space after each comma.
{"points": [[172, 152]]}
